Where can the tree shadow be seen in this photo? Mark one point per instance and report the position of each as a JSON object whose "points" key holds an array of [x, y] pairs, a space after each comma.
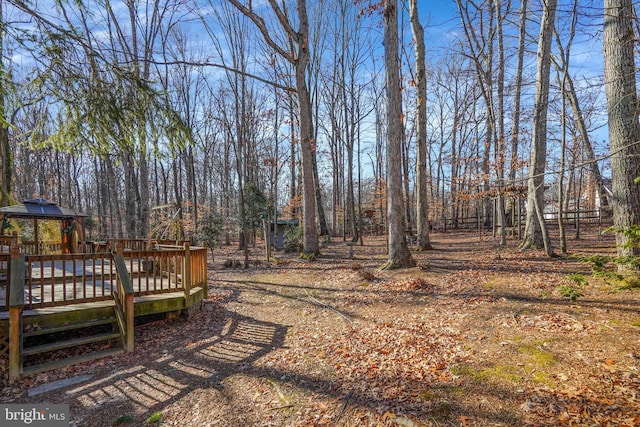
{"points": [[207, 362]]}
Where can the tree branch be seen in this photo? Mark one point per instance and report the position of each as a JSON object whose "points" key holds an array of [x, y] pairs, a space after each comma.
{"points": [[283, 20], [259, 22], [226, 68]]}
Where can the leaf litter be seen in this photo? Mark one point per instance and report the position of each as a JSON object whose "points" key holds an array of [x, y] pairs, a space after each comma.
{"points": [[476, 336]]}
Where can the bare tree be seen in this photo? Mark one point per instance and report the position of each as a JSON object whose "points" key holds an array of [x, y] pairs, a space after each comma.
{"points": [[561, 61], [515, 124], [299, 59], [479, 21], [624, 129], [6, 168], [398, 251], [422, 203], [536, 233]]}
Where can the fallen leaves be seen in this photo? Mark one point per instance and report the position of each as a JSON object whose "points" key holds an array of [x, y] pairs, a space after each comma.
{"points": [[422, 347], [588, 406]]}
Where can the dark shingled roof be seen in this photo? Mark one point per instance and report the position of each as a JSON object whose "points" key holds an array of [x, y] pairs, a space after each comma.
{"points": [[39, 208]]}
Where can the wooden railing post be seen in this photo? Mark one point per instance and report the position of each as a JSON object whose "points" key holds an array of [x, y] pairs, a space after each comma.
{"points": [[16, 305], [124, 300], [186, 274], [130, 319]]}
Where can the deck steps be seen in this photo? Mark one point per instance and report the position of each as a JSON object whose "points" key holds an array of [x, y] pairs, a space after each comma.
{"points": [[61, 363], [60, 336], [61, 328], [60, 345], [49, 348]]}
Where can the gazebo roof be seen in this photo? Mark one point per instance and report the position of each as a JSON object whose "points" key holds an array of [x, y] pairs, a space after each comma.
{"points": [[41, 209]]}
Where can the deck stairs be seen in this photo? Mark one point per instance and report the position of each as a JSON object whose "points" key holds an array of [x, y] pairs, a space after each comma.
{"points": [[70, 337]]}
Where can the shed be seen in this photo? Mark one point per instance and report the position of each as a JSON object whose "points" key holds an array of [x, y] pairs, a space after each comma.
{"points": [[278, 231]]}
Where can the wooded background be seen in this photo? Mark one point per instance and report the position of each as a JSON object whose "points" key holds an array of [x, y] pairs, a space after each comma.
{"points": [[233, 110]]}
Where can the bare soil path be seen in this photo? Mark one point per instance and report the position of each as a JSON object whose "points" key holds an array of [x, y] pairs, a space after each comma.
{"points": [[477, 335]]}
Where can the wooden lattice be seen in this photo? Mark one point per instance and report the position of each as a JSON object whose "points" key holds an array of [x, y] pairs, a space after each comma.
{"points": [[4, 346]]}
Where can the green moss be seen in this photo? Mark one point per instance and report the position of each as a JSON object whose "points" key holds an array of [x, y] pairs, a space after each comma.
{"points": [[498, 372], [490, 284], [123, 419], [156, 417], [308, 256], [439, 391], [630, 282], [541, 358], [505, 372], [544, 378], [428, 395]]}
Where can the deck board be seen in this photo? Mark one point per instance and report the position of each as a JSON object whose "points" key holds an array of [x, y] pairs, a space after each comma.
{"points": [[4, 315]]}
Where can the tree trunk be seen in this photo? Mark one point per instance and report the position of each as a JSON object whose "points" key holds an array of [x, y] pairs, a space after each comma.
{"points": [[499, 213], [322, 219], [398, 251], [563, 149], [307, 142], [536, 234], [422, 202], [586, 142], [5, 150], [571, 96], [515, 128], [624, 130]]}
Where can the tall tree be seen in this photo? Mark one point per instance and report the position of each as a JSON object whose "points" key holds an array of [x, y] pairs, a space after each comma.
{"points": [[499, 137], [422, 203], [315, 66], [5, 150], [536, 233], [624, 129], [399, 255], [298, 56], [570, 94], [515, 124]]}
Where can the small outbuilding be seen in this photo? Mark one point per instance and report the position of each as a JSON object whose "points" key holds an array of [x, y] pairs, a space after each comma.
{"points": [[278, 231]]}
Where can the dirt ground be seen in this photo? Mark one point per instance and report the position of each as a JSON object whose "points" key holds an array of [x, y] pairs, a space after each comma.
{"points": [[476, 335]]}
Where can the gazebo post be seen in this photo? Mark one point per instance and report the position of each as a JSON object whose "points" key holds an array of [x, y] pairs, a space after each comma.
{"points": [[36, 237], [80, 231]]}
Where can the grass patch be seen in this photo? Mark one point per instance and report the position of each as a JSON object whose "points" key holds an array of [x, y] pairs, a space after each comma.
{"points": [[545, 378]]}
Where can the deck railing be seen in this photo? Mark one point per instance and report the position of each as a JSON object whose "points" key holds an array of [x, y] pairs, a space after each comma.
{"points": [[5, 271], [63, 279], [6, 242], [143, 244]]}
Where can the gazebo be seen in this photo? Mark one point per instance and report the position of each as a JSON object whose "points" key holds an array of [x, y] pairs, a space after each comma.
{"points": [[71, 223]]}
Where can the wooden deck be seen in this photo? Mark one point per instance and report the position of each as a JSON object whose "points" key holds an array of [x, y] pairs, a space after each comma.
{"points": [[144, 305], [52, 302]]}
